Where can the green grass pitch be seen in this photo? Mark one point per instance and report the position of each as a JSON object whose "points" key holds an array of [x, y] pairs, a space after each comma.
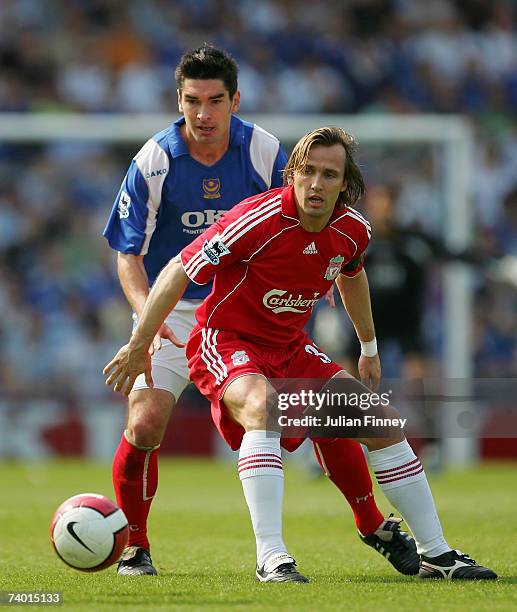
{"points": [[204, 551]]}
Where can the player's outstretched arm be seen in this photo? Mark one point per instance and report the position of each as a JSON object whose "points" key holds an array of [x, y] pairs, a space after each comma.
{"points": [[355, 294], [135, 284], [133, 358], [133, 280]]}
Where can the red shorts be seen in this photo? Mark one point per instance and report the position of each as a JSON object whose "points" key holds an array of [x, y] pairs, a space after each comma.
{"points": [[216, 358]]}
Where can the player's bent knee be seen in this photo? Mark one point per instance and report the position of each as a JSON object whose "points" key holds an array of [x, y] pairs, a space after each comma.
{"points": [[148, 417], [144, 435], [253, 414], [246, 401]]}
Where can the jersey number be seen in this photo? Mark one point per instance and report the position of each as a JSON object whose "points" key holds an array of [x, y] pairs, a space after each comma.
{"points": [[309, 348]]}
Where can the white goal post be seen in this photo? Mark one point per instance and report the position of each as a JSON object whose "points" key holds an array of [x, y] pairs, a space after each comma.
{"points": [[450, 132]]}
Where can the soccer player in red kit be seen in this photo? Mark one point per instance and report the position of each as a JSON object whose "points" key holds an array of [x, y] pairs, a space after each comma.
{"points": [[169, 183], [273, 256]]}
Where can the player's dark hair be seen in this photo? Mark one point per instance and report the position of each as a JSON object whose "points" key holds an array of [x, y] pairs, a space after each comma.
{"points": [[326, 137], [208, 62]]}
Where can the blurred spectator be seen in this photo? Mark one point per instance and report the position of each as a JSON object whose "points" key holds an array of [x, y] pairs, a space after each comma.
{"points": [[506, 229], [85, 80], [141, 87], [494, 176]]}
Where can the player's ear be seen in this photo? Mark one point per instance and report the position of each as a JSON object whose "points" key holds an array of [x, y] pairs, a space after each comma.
{"points": [[236, 102], [180, 105], [344, 186]]}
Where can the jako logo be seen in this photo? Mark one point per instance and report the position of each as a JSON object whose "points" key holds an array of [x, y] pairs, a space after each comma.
{"points": [[274, 301], [160, 172], [197, 218]]}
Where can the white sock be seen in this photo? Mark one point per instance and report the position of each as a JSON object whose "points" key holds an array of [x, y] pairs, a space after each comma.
{"points": [[402, 479], [262, 476]]}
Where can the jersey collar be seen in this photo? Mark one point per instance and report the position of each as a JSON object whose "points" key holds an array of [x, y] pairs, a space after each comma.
{"points": [[178, 146], [290, 211]]}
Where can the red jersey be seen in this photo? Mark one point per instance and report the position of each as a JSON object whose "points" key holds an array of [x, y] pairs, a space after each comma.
{"points": [[269, 271]]}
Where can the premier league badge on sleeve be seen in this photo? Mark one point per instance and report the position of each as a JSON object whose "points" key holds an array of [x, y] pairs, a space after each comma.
{"points": [[215, 249], [334, 267], [123, 205]]}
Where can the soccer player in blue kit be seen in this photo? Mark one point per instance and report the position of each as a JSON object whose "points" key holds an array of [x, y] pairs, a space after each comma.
{"points": [[180, 182]]}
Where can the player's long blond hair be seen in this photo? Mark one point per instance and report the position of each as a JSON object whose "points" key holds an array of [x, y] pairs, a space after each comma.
{"points": [[326, 137]]}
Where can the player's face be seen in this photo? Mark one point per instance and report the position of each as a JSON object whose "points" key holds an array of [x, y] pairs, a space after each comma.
{"points": [[318, 185], [207, 107]]}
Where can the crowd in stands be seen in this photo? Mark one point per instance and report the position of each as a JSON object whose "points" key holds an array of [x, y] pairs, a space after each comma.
{"points": [[296, 55], [63, 312]]}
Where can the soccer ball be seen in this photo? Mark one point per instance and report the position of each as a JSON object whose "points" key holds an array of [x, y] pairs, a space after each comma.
{"points": [[89, 532]]}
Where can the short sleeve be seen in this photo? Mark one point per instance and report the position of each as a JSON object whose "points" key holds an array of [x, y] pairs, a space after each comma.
{"points": [[125, 229], [353, 267], [133, 216], [277, 175], [361, 233]]}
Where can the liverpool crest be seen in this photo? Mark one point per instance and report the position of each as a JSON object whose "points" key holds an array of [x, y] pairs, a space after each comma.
{"points": [[240, 358], [334, 267]]}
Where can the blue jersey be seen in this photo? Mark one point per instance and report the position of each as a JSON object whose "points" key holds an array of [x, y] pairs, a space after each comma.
{"points": [[168, 198]]}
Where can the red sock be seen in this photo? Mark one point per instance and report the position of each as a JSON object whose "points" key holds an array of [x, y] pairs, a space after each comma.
{"points": [[344, 463], [135, 480]]}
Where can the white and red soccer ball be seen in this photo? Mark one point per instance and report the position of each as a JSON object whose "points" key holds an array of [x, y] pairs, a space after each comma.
{"points": [[89, 532]]}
